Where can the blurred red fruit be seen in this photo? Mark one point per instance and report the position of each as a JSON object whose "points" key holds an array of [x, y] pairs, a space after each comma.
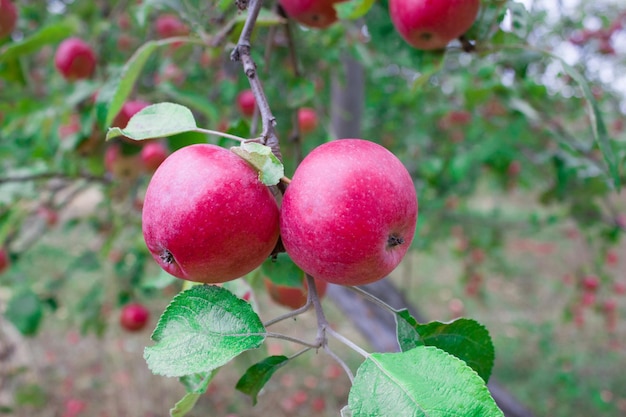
{"points": [[169, 26], [591, 283], [75, 59], [134, 317], [246, 102], [307, 120], [152, 155]]}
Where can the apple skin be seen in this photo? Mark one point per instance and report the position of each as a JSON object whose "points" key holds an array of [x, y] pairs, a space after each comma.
{"points": [[5, 262], [431, 25], [312, 13], [246, 102], [8, 18], [152, 155], [75, 59], [207, 217], [293, 297], [307, 120], [349, 214], [169, 26], [134, 317]]}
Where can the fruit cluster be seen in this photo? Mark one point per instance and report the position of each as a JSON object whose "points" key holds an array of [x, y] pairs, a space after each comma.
{"points": [[423, 24], [347, 217]]}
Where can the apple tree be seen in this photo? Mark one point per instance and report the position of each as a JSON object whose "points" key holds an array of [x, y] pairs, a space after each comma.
{"points": [[206, 128]]}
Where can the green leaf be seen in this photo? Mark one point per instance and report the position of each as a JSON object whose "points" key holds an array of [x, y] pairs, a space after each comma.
{"points": [[155, 121], [598, 127], [464, 338], [202, 329], [112, 96], [353, 9], [258, 374], [270, 168], [196, 385], [25, 311], [424, 381], [281, 270], [45, 36]]}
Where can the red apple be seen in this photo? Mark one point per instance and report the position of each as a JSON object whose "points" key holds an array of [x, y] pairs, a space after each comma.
{"points": [[73, 407], [75, 59], [207, 217], [591, 283], [48, 214], [134, 317], [429, 25], [246, 102], [5, 262], [128, 110], [152, 155], [169, 26], [307, 120], [8, 17], [293, 297], [349, 214], [313, 13]]}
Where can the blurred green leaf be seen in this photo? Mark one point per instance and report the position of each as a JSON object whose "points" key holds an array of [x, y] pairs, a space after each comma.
{"points": [[25, 311], [255, 378]]}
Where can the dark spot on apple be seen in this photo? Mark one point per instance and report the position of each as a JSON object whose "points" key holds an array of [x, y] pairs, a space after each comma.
{"points": [[394, 240], [167, 257], [426, 36]]}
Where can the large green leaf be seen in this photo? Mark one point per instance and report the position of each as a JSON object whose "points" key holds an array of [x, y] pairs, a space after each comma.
{"points": [[155, 121], [202, 329], [258, 374], [464, 338], [47, 35], [422, 382]]}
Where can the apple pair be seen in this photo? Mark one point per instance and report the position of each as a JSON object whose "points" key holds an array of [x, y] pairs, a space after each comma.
{"points": [[347, 217], [424, 24]]}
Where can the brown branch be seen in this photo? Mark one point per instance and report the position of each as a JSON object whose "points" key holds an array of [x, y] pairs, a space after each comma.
{"points": [[242, 54], [54, 175]]}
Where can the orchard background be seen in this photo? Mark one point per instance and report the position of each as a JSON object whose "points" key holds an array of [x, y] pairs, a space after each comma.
{"points": [[515, 142]]}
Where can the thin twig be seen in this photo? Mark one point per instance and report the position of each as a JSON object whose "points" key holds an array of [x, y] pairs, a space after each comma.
{"points": [[281, 336], [54, 175], [372, 298], [341, 363], [347, 342], [291, 314]]}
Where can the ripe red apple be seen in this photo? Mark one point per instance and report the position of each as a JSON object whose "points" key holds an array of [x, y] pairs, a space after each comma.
{"points": [[75, 59], [5, 262], [128, 110], [169, 26], [134, 317], [8, 17], [307, 120], [349, 214], [293, 297], [207, 217], [312, 13], [152, 155], [429, 25], [246, 102], [73, 407]]}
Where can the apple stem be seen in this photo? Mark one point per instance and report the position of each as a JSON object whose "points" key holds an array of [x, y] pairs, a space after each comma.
{"points": [[291, 314], [347, 342], [242, 54], [373, 299], [281, 336], [222, 134], [341, 363]]}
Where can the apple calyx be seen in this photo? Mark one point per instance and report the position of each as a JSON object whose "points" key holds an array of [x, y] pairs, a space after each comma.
{"points": [[394, 240]]}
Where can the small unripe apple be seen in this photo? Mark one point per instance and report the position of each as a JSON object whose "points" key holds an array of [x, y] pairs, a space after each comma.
{"points": [[312, 13], [152, 155], [207, 217], [349, 214], [5, 262], [169, 26], [428, 24], [246, 102], [134, 317], [307, 120], [75, 59], [293, 297], [8, 17]]}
